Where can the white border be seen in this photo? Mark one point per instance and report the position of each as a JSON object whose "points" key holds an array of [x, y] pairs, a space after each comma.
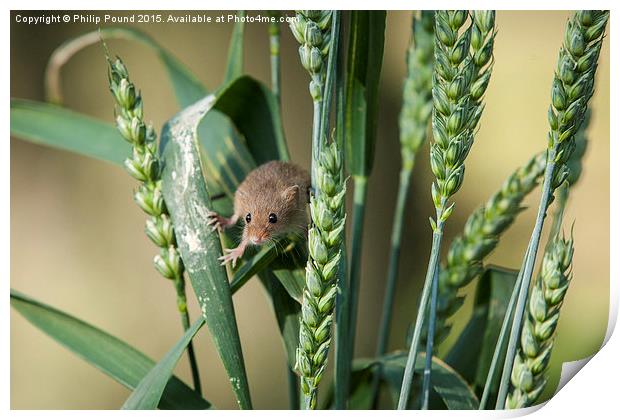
{"points": [[595, 390]]}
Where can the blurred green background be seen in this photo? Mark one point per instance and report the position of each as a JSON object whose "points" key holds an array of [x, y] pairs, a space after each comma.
{"points": [[77, 239]]}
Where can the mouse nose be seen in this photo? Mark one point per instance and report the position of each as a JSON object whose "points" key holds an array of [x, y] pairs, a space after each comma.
{"points": [[259, 238]]}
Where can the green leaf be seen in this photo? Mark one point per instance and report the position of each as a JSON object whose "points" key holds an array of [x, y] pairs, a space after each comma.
{"points": [[61, 128], [149, 391], [364, 60], [472, 353], [187, 198], [287, 313], [234, 64], [187, 88], [255, 264], [452, 389], [293, 280], [254, 111], [360, 397], [112, 356]]}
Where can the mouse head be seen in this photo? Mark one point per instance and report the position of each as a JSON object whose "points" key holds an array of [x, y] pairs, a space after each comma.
{"points": [[272, 214]]}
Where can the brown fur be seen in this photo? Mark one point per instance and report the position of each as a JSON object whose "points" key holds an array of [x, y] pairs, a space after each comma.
{"points": [[275, 187]]}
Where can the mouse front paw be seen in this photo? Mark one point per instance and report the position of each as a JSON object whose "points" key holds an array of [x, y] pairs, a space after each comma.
{"points": [[217, 222], [231, 255]]}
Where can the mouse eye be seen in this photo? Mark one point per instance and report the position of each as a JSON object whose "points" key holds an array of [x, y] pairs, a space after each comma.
{"points": [[248, 218], [273, 218]]}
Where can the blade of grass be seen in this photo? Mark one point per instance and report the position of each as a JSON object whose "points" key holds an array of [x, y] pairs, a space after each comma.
{"points": [[453, 390], [188, 200], [287, 314], [253, 109], [58, 127], [293, 388], [253, 266], [149, 391], [234, 63], [107, 353], [472, 352]]}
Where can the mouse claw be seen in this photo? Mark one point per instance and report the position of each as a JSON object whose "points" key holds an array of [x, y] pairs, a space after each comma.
{"points": [[231, 255], [218, 222]]}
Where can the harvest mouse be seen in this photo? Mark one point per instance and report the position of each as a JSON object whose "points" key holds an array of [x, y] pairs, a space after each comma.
{"points": [[272, 201]]}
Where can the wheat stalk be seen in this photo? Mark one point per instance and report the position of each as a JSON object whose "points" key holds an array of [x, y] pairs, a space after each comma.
{"points": [[538, 331], [312, 29], [413, 121]]}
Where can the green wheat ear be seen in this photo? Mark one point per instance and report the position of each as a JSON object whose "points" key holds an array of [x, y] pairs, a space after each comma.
{"points": [[573, 85], [144, 165], [538, 331], [312, 29], [324, 241], [417, 97]]}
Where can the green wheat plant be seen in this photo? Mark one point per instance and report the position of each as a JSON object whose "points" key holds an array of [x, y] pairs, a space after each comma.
{"points": [[572, 88], [144, 165], [324, 241], [456, 112], [496, 355], [538, 330]]}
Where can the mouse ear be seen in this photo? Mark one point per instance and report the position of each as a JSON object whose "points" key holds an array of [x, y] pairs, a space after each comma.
{"points": [[291, 193]]}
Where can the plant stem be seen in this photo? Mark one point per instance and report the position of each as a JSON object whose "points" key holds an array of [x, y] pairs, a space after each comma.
{"points": [[390, 288], [426, 384], [274, 55], [499, 345], [558, 215], [179, 285], [526, 274], [359, 209], [341, 374], [330, 76], [293, 389], [341, 365], [419, 322]]}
